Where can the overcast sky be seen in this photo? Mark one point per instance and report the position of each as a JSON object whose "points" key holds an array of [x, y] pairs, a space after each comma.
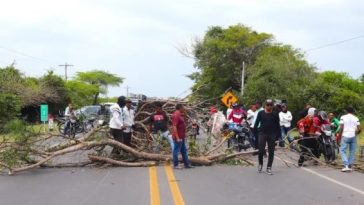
{"points": [[136, 39]]}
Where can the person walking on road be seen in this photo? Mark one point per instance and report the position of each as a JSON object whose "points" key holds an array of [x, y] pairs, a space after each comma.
{"points": [[269, 131], [349, 129], [116, 123], [259, 108], [128, 122], [179, 135], [158, 125], [285, 119]]}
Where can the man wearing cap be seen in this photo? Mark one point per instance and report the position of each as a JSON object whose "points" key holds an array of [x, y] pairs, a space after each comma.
{"points": [[269, 131]]}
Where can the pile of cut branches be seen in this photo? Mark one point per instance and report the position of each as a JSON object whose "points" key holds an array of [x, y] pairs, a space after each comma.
{"points": [[35, 150]]}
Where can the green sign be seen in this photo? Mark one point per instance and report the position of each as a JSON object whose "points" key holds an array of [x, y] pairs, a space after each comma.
{"points": [[44, 113]]}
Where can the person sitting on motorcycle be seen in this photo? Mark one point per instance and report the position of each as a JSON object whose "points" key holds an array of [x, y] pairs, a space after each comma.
{"points": [[70, 115], [307, 128], [237, 115]]}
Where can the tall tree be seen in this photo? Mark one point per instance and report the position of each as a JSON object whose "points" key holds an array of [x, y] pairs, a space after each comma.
{"points": [[99, 79], [219, 57]]}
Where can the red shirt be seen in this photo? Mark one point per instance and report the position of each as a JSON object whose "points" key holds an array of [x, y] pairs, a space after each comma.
{"points": [[237, 116], [178, 120]]}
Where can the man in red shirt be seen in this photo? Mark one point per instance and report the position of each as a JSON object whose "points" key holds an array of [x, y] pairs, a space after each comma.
{"points": [[179, 135]]}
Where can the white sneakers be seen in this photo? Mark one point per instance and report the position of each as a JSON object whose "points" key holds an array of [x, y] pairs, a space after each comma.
{"points": [[346, 169]]}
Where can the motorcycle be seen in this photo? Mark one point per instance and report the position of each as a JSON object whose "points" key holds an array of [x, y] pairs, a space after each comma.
{"points": [[327, 143], [239, 136]]}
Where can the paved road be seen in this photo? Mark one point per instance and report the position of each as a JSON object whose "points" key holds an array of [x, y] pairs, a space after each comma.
{"points": [[201, 185]]}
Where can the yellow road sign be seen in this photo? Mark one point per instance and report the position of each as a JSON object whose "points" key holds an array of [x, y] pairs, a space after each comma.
{"points": [[228, 99]]}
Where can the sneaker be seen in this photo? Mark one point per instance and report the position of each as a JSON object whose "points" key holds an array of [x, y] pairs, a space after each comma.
{"points": [[346, 169], [269, 171], [189, 167], [260, 167], [177, 167]]}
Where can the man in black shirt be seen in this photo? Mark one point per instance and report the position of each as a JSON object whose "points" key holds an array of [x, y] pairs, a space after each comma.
{"points": [[159, 125], [269, 132]]}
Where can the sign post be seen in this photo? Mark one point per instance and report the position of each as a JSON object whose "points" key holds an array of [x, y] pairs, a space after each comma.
{"points": [[228, 99], [44, 114]]}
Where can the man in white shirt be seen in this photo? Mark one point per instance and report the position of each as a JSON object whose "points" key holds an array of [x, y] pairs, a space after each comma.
{"points": [[349, 128], [116, 123], [250, 115], [128, 122], [285, 119]]}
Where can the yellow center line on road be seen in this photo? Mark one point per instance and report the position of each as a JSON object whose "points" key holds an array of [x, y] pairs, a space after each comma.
{"points": [[154, 188], [177, 196]]}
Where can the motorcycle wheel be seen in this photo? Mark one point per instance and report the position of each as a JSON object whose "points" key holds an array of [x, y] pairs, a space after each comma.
{"points": [[328, 153], [61, 126]]}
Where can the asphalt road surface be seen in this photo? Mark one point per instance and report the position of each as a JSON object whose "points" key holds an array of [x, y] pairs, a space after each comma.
{"points": [[218, 185]]}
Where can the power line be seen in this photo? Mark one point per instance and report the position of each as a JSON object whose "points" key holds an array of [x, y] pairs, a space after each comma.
{"points": [[24, 54], [334, 43]]}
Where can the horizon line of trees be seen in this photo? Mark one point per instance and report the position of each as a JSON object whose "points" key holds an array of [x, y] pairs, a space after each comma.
{"points": [[22, 95], [273, 70]]}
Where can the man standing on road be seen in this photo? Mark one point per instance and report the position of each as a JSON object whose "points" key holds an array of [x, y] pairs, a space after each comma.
{"points": [[349, 128], [179, 135], [269, 131], [159, 125], [116, 123], [128, 122], [285, 118], [258, 106]]}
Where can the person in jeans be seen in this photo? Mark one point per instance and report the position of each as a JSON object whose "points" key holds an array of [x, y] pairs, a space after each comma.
{"points": [[269, 131], [285, 118], [179, 135], [128, 122], [349, 128], [159, 125]]}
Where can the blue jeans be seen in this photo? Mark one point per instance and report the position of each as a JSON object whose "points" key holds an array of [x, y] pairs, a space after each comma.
{"points": [[345, 143], [284, 132], [180, 147], [166, 135]]}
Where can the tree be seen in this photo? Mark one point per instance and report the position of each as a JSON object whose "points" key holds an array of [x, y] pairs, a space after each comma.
{"points": [[80, 93], [100, 79], [219, 56], [333, 92], [280, 72]]}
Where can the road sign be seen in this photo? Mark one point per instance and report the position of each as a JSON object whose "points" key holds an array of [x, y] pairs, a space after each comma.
{"points": [[44, 112], [228, 99]]}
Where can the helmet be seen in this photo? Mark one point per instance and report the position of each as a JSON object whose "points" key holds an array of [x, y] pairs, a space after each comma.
{"points": [[322, 115], [235, 105]]}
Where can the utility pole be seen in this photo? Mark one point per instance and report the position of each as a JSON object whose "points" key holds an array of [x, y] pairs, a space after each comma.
{"points": [[242, 78], [127, 91], [65, 69]]}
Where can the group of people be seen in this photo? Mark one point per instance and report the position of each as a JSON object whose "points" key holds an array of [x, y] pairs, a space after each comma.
{"points": [[270, 125], [122, 124]]}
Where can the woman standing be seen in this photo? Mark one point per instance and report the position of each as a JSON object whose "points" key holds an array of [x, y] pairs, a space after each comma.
{"points": [[269, 131]]}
